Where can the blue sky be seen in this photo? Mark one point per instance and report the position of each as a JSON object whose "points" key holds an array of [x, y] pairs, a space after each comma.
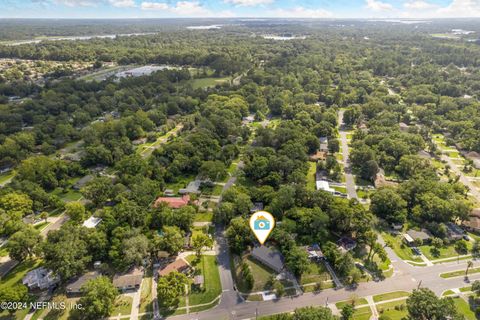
{"points": [[414, 9]]}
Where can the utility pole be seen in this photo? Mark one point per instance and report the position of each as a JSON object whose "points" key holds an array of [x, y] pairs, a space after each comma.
{"points": [[419, 284]]}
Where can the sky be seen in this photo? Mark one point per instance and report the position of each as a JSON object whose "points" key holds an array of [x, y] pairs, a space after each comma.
{"points": [[411, 9]]}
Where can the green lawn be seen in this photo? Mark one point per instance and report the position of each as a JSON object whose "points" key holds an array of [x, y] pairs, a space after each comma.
{"points": [[41, 225], [464, 308], [68, 196], [447, 293], [146, 295], [390, 296], [445, 252], [316, 273], [459, 273], [208, 82], [363, 313], [395, 310], [312, 169], [6, 176], [208, 267], [261, 275], [340, 189], [123, 305], [358, 302], [205, 216], [180, 182]]}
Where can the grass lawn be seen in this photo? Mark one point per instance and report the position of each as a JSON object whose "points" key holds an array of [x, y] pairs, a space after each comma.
{"points": [[445, 252], [312, 169], [340, 189], [68, 196], [146, 295], [316, 273], [447, 293], [465, 289], [3, 252], [459, 273], [123, 305], [395, 310], [208, 82], [402, 250], [261, 275], [204, 217], [453, 154], [339, 157], [364, 194], [6, 176], [181, 182], [390, 296], [41, 225], [208, 267], [464, 308], [358, 302], [363, 313]]}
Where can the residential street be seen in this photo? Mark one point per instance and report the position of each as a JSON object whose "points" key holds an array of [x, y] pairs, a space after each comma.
{"points": [[349, 178], [405, 277]]}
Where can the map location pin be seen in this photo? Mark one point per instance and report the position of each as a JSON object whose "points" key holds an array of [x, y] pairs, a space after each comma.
{"points": [[262, 224]]}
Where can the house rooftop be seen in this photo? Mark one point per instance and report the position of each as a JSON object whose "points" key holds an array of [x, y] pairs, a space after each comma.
{"points": [[270, 257], [40, 278], [178, 265], [77, 284], [422, 234], [92, 222], [130, 279], [173, 202]]}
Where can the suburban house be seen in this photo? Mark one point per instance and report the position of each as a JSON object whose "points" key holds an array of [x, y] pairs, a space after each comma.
{"points": [[91, 222], [269, 257], [179, 265], [346, 244], [192, 187], [474, 156], [40, 279], [314, 252], [325, 186], [455, 232], [323, 144], [423, 235], [473, 222], [128, 281], [173, 202], [82, 182], [319, 155], [74, 287]]}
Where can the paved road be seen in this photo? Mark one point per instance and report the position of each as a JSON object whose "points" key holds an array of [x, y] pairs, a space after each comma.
{"points": [[405, 277], [349, 178], [463, 179]]}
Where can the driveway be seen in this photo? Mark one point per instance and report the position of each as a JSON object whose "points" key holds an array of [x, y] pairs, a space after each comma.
{"points": [[349, 178]]}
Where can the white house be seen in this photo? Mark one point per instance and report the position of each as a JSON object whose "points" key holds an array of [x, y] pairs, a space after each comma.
{"points": [[323, 185]]}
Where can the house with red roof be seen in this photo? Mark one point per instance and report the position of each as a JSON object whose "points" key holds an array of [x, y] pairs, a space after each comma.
{"points": [[173, 202]]}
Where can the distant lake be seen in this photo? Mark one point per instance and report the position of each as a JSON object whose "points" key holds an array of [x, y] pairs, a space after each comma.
{"points": [[283, 38], [74, 38], [213, 26]]}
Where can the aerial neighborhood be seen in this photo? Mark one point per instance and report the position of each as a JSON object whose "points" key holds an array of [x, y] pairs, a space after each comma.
{"points": [[134, 156]]}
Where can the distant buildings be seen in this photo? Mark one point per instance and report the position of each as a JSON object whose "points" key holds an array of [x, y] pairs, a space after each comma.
{"points": [[40, 279], [473, 222], [141, 71]]}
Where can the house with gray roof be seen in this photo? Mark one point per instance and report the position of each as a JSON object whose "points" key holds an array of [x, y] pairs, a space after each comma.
{"points": [[269, 257]]}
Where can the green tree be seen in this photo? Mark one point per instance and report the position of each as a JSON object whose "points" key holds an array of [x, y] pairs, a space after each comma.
{"points": [[347, 312], [213, 170], [386, 203], [98, 298], [171, 240], [75, 211], [424, 304], [23, 243], [199, 241], [171, 287], [309, 313]]}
